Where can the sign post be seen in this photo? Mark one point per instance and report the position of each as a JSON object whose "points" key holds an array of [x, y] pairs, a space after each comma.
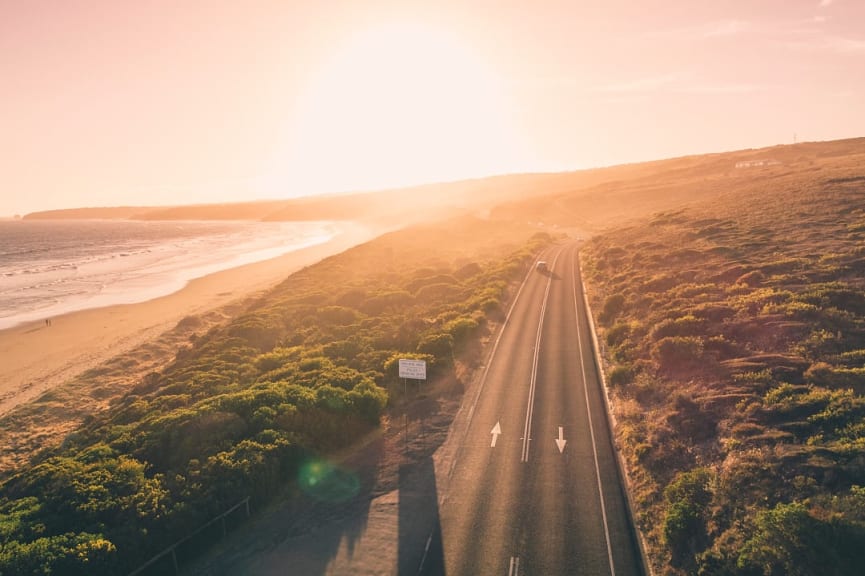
{"points": [[416, 370]]}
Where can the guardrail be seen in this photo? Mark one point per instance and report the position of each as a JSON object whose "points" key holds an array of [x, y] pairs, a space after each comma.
{"points": [[172, 550]]}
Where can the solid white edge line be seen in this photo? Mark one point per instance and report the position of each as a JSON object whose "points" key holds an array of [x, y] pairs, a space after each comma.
{"points": [[425, 553], [591, 426]]}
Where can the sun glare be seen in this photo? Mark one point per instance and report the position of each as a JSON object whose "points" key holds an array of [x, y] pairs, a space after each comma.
{"points": [[394, 105]]}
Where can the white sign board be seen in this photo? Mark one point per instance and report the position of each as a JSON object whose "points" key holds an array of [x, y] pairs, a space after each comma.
{"points": [[415, 369]]}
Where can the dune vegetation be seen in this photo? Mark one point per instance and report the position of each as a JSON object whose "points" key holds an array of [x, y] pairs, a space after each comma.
{"points": [[252, 405], [733, 334], [729, 292]]}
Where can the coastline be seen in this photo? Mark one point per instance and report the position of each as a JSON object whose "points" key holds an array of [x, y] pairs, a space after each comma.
{"points": [[38, 357]]}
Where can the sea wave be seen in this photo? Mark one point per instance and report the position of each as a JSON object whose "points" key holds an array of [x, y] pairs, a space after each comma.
{"points": [[106, 268]]}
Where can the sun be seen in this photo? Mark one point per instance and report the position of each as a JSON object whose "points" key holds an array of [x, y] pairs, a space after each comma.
{"points": [[398, 104]]}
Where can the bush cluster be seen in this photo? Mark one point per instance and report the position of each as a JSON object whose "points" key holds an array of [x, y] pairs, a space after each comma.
{"points": [[306, 370], [741, 362]]}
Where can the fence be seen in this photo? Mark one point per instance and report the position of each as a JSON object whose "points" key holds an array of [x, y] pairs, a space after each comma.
{"points": [[172, 550]]}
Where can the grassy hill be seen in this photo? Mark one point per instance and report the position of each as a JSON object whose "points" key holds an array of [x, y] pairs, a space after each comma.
{"points": [[395, 207], [252, 407], [734, 338], [590, 199], [730, 291]]}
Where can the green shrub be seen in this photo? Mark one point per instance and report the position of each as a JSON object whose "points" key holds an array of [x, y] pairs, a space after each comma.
{"points": [[688, 496], [789, 540], [337, 315], [677, 352], [70, 554], [613, 305], [368, 400], [683, 326], [438, 345], [296, 372], [461, 329], [621, 375], [617, 333]]}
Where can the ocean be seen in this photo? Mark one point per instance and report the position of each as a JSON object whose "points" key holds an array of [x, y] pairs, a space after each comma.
{"points": [[49, 268]]}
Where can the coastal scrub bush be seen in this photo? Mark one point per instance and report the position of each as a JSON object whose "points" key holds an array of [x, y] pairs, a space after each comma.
{"points": [[438, 292], [763, 383], [337, 315], [304, 370], [677, 352], [386, 301], [683, 326], [70, 554], [688, 496], [439, 345], [461, 329], [617, 333], [789, 540], [620, 375], [613, 305], [368, 400]]}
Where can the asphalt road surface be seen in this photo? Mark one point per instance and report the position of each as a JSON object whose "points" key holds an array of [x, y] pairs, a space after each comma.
{"points": [[535, 488]]}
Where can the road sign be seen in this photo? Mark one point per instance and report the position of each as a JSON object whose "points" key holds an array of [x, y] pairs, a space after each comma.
{"points": [[415, 369]]}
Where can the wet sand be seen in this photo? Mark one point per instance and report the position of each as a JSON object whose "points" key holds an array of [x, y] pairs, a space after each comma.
{"points": [[36, 357]]}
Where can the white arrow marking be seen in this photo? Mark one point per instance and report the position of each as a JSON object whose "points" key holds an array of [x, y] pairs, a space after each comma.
{"points": [[495, 432], [560, 441]]}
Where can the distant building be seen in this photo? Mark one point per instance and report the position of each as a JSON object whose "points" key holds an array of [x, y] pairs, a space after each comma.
{"points": [[756, 163]]}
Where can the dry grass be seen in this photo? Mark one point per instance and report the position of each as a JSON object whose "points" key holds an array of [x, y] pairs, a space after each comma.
{"points": [[713, 309]]}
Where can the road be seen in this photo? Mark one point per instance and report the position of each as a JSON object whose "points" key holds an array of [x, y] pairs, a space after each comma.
{"points": [[535, 488]]}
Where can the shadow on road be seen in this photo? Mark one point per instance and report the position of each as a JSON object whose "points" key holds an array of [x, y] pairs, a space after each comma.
{"points": [[322, 519], [373, 511], [420, 537], [550, 274], [418, 529]]}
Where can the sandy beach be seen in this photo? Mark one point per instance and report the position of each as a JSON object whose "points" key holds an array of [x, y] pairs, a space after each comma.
{"points": [[37, 357]]}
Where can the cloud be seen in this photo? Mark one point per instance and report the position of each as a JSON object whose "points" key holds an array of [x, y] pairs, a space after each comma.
{"points": [[648, 84], [846, 45], [723, 28], [724, 88], [702, 30], [825, 3], [675, 84], [834, 44]]}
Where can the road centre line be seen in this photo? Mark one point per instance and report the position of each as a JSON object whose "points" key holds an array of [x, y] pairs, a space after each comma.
{"points": [[514, 566], [514, 560], [487, 369], [591, 426], [530, 405]]}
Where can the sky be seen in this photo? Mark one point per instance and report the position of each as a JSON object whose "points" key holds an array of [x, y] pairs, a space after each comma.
{"points": [[153, 102]]}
